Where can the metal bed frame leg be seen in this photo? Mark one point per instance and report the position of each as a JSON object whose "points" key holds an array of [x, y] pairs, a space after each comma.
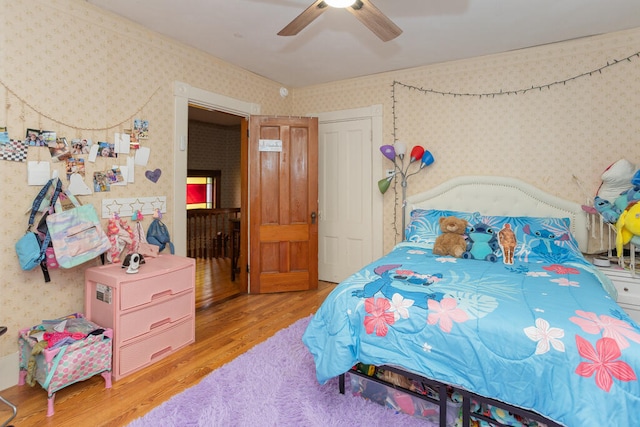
{"points": [[466, 411]]}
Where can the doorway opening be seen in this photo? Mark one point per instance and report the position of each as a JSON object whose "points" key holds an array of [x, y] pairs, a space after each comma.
{"points": [[214, 160]]}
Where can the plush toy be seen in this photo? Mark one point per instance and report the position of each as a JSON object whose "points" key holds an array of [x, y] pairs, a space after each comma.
{"points": [[609, 211], [628, 227], [626, 197], [623, 212], [452, 240], [482, 243]]}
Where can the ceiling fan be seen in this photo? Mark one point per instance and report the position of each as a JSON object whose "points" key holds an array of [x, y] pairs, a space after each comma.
{"points": [[364, 10]]}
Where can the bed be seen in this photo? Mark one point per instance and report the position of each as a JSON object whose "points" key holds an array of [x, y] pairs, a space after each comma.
{"points": [[539, 334]]}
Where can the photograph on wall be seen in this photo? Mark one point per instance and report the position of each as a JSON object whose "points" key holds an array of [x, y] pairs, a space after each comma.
{"points": [[106, 150], [80, 146], [75, 165], [59, 149], [48, 137], [114, 175], [4, 135], [101, 182], [35, 138], [134, 142], [141, 128]]}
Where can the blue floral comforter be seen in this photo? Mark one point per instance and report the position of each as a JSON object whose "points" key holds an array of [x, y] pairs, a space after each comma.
{"points": [[542, 336]]}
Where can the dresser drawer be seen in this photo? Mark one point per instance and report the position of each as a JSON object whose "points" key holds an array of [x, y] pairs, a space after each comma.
{"points": [[156, 316], [148, 289], [628, 293], [149, 350], [628, 286]]}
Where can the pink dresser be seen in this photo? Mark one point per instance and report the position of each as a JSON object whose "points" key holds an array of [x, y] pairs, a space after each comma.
{"points": [[152, 312]]}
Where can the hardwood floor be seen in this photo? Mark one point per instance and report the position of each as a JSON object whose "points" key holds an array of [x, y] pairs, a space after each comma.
{"points": [[213, 282], [224, 330]]}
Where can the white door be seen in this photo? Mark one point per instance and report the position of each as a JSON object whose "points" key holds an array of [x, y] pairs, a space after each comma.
{"points": [[346, 207]]}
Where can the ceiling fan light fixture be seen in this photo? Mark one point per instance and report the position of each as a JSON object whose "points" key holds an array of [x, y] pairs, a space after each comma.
{"points": [[364, 10], [340, 3]]}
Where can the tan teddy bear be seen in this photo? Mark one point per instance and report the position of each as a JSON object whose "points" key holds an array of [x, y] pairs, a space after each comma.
{"points": [[452, 240]]}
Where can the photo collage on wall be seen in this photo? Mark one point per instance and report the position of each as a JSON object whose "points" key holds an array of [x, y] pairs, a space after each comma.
{"points": [[126, 150]]}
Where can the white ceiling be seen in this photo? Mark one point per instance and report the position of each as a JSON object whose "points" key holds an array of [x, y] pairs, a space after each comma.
{"points": [[337, 46]]}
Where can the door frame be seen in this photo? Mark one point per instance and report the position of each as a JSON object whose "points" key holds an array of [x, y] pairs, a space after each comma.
{"points": [[374, 113], [185, 94]]}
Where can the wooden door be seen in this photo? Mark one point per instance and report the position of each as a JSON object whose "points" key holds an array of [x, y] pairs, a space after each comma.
{"points": [[283, 204]]}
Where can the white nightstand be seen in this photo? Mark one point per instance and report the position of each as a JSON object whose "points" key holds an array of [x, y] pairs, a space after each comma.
{"points": [[628, 288]]}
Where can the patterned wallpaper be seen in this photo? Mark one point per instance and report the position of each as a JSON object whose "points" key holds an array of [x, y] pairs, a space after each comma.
{"points": [[545, 136], [72, 68], [213, 147]]}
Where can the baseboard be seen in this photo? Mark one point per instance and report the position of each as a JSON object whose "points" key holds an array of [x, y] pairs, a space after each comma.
{"points": [[9, 367]]}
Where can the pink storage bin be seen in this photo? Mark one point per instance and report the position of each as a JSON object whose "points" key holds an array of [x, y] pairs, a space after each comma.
{"points": [[56, 368]]}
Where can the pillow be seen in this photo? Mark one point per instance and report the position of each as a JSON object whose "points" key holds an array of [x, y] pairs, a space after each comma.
{"points": [[616, 179], [538, 238], [424, 224]]}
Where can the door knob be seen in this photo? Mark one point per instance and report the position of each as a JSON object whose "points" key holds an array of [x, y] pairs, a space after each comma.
{"points": [[313, 217]]}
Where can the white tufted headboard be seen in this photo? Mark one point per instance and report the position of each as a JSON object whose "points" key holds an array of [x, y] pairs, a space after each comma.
{"points": [[496, 195]]}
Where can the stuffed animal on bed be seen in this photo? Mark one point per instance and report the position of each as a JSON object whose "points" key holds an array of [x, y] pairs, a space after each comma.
{"points": [[482, 243], [452, 240]]}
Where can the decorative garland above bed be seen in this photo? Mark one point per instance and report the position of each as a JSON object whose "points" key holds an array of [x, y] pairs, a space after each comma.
{"points": [[431, 91], [517, 91]]}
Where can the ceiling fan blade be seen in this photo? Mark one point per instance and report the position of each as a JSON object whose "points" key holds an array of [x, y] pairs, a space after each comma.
{"points": [[375, 20], [304, 19]]}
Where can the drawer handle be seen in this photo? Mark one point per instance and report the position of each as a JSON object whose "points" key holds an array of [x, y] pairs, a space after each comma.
{"points": [[160, 323], [161, 294], [161, 352]]}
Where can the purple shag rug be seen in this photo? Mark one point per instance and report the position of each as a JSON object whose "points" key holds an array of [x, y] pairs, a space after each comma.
{"points": [[273, 384]]}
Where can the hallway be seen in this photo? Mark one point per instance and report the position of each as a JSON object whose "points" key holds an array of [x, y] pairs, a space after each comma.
{"points": [[213, 282]]}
